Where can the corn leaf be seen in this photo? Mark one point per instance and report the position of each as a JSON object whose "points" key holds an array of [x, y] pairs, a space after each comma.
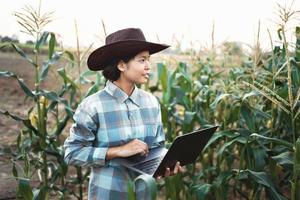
{"points": [[285, 158], [202, 190], [275, 140], [22, 53], [297, 114], [52, 43], [95, 86], [150, 184], [263, 179], [297, 98], [45, 67], [25, 190], [23, 86], [275, 101], [62, 73], [42, 40]]}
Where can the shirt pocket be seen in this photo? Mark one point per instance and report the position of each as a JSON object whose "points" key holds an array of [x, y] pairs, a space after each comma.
{"points": [[150, 132], [114, 129]]}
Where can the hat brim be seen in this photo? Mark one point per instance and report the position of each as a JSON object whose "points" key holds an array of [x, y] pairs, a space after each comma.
{"points": [[100, 57]]}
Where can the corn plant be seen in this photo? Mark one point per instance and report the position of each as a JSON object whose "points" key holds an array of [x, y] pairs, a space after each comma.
{"points": [[39, 144], [290, 107], [256, 145]]}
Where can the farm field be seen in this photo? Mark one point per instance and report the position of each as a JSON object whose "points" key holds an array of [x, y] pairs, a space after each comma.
{"points": [[253, 96]]}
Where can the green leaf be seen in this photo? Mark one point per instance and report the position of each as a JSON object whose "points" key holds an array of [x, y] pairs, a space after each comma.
{"points": [[297, 50], [285, 158], [40, 194], [150, 184], [271, 95], [275, 140], [166, 81], [85, 74], [52, 43], [15, 117], [130, 190], [279, 34], [223, 178], [218, 135], [202, 190], [297, 158], [22, 53], [42, 40], [70, 57], [23, 86], [250, 94], [162, 75], [45, 67], [62, 73], [94, 87], [297, 114], [179, 93], [61, 125], [189, 116], [224, 146], [26, 122], [248, 117], [3, 46], [25, 190], [183, 82], [14, 170], [259, 156], [214, 104], [297, 98], [54, 97], [259, 177], [263, 179]]}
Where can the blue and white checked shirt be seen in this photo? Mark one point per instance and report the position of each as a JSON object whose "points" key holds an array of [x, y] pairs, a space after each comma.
{"points": [[106, 119]]}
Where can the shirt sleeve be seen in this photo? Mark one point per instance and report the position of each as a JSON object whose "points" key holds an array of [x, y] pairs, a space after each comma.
{"points": [[159, 139], [79, 149]]}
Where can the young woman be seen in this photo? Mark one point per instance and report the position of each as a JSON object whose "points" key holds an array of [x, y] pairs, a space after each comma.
{"points": [[119, 121]]}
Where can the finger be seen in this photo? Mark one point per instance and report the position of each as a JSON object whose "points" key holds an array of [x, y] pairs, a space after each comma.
{"points": [[142, 145], [176, 168], [167, 172], [142, 152], [145, 147], [180, 169]]}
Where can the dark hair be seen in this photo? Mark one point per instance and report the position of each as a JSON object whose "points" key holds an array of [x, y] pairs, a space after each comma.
{"points": [[111, 71]]}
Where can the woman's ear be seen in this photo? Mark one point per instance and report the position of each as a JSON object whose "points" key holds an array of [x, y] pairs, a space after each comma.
{"points": [[122, 66]]}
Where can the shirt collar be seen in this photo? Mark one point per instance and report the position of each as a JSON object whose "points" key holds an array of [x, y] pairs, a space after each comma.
{"points": [[120, 95]]}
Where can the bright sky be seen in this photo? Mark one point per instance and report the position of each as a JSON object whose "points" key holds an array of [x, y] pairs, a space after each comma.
{"points": [[188, 20]]}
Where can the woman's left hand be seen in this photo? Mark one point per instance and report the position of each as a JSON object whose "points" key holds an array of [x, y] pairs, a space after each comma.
{"points": [[177, 169]]}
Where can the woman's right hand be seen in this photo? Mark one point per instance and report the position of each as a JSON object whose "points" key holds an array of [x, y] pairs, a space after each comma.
{"points": [[134, 147], [131, 148]]}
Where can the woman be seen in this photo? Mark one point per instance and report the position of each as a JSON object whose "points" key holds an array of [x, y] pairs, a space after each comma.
{"points": [[119, 121]]}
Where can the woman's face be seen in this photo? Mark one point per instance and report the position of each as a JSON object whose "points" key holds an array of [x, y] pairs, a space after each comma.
{"points": [[137, 70]]}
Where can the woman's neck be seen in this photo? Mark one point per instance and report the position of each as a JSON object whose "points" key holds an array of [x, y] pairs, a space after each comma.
{"points": [[124, 85]]}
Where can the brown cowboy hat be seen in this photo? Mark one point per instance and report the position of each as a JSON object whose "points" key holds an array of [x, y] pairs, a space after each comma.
{"points": [[119, 44]]}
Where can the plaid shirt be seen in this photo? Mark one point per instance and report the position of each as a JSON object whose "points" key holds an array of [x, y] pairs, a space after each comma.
{"points": [[106, 119]]}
